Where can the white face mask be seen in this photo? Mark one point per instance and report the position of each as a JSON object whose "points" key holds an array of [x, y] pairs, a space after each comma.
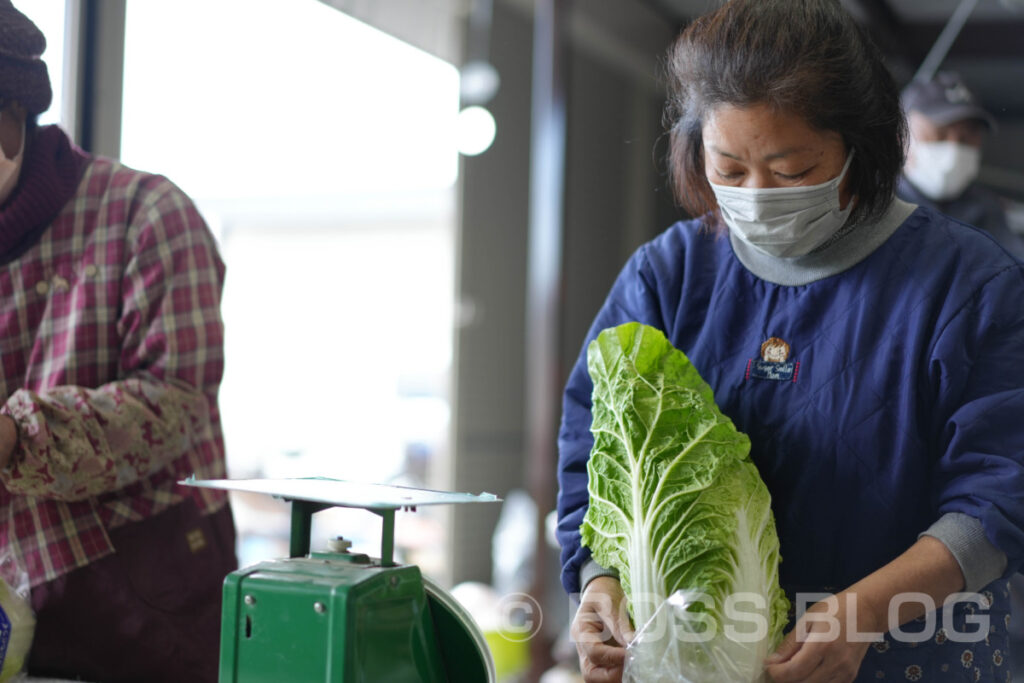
{"points": [[10, 169], [943, 170], [784, 221]]}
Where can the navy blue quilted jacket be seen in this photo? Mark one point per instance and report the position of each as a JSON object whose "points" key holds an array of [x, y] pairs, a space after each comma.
{"points": [[902, 398]]}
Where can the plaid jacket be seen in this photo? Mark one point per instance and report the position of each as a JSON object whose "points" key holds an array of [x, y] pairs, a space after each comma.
{"points": [[111, 348]]}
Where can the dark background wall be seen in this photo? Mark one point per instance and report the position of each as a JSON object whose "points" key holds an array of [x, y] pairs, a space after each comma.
{"points": [[615, 199], [490, 288]]}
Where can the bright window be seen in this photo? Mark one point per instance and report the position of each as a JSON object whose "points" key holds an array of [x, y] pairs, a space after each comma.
{"points": [[322, 153], [283, 98]]}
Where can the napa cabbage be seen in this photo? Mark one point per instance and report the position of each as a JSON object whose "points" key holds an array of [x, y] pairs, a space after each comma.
{"points": [[677, 506]]}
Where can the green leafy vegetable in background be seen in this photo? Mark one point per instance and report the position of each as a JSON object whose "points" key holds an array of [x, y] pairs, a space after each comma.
{"points": [[675, 501], [17, 626]]}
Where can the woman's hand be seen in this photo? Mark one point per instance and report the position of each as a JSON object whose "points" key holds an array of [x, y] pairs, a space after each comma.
{"points": [[832, 637], [822, 647], [601, 631]]}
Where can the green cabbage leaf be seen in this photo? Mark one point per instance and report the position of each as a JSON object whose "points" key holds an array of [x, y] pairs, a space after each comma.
{"points": [[676, 504]]}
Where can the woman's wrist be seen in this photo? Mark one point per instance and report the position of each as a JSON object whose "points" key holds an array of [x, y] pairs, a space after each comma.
{"points": [[927, 570], [872, 610]]}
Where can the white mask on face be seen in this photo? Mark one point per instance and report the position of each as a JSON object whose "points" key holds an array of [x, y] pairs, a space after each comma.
{"points": [[943, 170], [784, 221], [10, 169]]}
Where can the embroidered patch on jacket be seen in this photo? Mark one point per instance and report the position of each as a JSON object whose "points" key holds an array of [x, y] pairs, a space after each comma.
{"points": [[774, 362]]}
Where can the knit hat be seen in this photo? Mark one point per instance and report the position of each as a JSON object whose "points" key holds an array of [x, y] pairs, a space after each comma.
{"points": [[23, 75], [945, 99]]}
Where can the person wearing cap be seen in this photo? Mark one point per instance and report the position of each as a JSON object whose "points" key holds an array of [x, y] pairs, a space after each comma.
{"points": [[947, 128], [111, 340]]}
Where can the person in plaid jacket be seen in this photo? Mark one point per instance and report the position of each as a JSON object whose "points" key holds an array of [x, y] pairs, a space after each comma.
{"points": [[111, 349]]}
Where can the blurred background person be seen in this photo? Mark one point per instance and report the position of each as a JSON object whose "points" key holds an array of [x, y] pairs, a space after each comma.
{"points": [[947, 128]]}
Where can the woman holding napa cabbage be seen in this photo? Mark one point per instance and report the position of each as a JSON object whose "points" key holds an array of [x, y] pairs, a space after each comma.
{"points": [[810, 336]]}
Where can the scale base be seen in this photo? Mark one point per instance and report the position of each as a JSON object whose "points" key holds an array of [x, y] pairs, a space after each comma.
{"points": [[346, 619]]}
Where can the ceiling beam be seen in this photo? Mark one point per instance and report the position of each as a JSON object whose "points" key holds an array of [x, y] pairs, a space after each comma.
{"points": [[986, 39]]}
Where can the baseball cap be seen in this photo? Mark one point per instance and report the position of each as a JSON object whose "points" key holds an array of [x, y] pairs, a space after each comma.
{"points": [[945, 99]]}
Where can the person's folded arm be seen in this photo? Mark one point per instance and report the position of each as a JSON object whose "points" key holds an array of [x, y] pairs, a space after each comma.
{"points": [[977, 374], [75, 442]]}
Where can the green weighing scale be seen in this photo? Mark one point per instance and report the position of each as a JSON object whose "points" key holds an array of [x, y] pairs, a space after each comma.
{"points": [[334, 615]]}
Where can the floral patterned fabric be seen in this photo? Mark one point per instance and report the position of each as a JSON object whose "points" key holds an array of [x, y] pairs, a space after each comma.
{"points": [[939, 657], [111, 342]]}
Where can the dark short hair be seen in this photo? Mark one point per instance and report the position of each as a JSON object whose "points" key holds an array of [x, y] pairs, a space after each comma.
{"points": [[804, 57]]}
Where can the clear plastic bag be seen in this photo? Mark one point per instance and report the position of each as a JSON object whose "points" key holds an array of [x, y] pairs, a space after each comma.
{"points": [[17, 620], [680, 644]]}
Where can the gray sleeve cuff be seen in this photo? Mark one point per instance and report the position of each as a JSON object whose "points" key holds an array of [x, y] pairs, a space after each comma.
{"points": [[591, 570], [979, 560]]}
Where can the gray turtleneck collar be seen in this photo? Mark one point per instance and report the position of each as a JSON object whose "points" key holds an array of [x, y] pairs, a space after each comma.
{"points": [[841, 254]]}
